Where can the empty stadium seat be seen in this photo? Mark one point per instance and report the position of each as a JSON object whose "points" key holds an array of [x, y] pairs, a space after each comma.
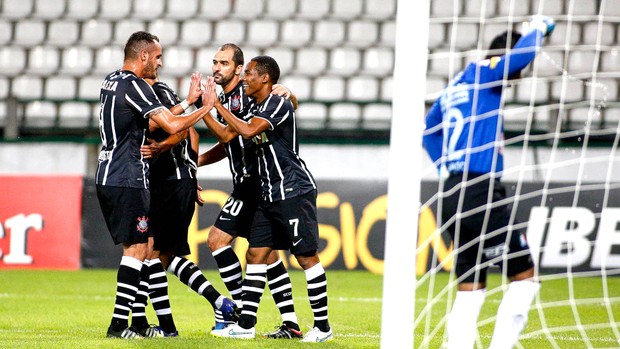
{"points": [[602, 90], [3, 112], [362, 33], [74, 114], [29, 32], [491, 30], [582, 8], [114, 9], [12, 60], [215, 9], [436, 35], [311, 115], [284, 56], [610, 60], [313, 9], [376, 116], [16, 9], [247, 9], [76, 60], [344, 116], [329, 88], [611, 117], [311, 61], [229, 31], [62, 33], [548, 63], [250, 52], [195, 33], [300, 85], [166, 30], [148, 9], [445, 64], [262, 33], [108, 59], [610, 9], [82, 9], [96, 33], [6, 31], [386, 89], [532, 89], [465, 36], [591, 33], [567, 90], [280, 9], [181, 9], [344, 61], [362, 89], [295, 33], [388, 33], [434, 87], [561, 33], [514, 8], [40, 114], [346, 9], [27, 87], [61, 87], [548, 7], [446, 8], [48, 9], [178, 60], [43, 60], [89, 87], [584, 117], [329, 33], [379, 9], [582, 62], [480, 8], [123, 30], [378, 61]]}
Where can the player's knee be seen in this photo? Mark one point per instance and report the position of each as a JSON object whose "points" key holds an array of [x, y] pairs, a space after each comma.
{"points": [[218, 239]]}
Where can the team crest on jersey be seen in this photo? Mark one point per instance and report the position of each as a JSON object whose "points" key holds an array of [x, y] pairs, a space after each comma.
{"points": [[235, 103], [143, 224]]}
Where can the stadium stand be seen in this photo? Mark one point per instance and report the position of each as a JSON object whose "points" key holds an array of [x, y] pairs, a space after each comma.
{"points": [[336, 55]]}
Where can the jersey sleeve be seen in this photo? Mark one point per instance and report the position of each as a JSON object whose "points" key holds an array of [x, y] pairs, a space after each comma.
{"points": [[433, 133], [520, 56], [141, 97], [274, 111], [166, 95]]}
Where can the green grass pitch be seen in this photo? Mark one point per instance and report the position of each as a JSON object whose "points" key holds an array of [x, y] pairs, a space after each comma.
{"points": [[64, 309]]}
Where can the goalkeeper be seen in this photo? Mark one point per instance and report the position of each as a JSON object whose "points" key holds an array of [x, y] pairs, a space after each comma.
{"points": [[464, 136]]}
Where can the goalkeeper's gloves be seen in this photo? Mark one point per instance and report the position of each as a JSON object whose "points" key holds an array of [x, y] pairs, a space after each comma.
{"points": [[545, 24]]}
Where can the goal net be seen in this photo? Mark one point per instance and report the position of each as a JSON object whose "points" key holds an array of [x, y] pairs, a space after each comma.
{"points": [[561, 171]]}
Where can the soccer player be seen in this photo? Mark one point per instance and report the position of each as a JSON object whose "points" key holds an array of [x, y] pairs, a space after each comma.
{"points": [[174, 189], [286, 215], [235, 218], [463, 136], [127, 104]]}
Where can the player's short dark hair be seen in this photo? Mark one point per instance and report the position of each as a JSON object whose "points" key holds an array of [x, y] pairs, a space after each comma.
{"points": [[237, 53], [137, 42], [267, 65], [501, 42]]}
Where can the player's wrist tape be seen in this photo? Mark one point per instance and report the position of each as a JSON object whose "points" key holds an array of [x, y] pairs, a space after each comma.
{"points": [[185, 104]]}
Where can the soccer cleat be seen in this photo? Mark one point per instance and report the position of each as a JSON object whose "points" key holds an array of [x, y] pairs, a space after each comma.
{"points": [[235, 331], [156, 332], [315, 335], [225, 315], [126, 333], [284, 332]]}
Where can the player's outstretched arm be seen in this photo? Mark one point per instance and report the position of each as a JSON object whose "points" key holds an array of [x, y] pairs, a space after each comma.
{"points": [[213, 155], [153, 148]]}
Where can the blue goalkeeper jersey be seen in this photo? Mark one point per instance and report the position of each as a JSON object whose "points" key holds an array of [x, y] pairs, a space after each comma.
{"points": [[467, 113]]}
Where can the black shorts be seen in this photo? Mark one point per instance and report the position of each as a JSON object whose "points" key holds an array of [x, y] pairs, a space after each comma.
{"points": [[237, 215], [126, 213], [497, 238], [172, 208], [289, 224]]}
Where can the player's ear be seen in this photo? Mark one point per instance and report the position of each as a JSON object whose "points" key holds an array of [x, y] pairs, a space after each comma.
{"points": [[239, 69]]}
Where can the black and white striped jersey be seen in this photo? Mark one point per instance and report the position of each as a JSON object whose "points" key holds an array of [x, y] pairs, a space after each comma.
{"points": [[180, 162], [126, 100], [240, 152], [283, 173]]}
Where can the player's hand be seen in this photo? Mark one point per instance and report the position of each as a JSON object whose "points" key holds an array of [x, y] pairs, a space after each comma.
{"points": [[199, 200], [281, 90], [194, 88], [545, 24], [208, 96], [150, 149]]}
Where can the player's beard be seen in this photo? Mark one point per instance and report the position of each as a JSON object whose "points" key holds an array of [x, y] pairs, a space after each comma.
{"points": [[149, 71], [223, 80]]}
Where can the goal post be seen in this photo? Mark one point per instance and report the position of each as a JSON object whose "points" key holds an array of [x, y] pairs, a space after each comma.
{"points": [[398, 306]]}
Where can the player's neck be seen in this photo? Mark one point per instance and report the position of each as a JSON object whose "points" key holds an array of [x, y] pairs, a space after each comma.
{"points": [[132, 67], [262, 94], [231, 85]]}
